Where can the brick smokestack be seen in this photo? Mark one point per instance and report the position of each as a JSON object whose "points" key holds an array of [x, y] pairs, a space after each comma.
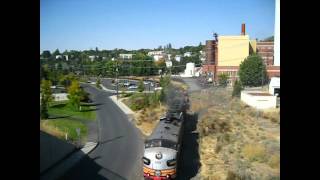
{"points": [[243, 29]]}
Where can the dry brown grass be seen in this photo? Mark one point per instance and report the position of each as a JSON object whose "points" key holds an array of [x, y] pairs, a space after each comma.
{"points": [[254, 152], [54, 131], [274, 161], [273, 115], [146, 119], [230, 133]]}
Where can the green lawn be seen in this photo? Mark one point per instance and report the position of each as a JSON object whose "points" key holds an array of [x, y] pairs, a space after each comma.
{"points": [[66, 126], [62, 108]]}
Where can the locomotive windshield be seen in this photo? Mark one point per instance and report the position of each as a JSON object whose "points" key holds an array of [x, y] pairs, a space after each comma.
{"points": [[160, 143]]}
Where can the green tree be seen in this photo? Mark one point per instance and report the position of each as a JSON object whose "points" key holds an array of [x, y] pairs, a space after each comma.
{"points": [[46, 98], [252, 71], [237, 89], [65, 80], [56, 52], [46, 54], [75, 95], [223, 79], [98, 83], [140, 86]]}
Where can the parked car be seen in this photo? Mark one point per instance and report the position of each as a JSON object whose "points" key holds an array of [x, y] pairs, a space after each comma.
{"points": [[146, 82], [127, 83], [133, 87], [157, 88]]}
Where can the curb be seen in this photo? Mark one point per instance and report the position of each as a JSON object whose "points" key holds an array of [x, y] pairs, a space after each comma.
{"points": [[126, 110]]}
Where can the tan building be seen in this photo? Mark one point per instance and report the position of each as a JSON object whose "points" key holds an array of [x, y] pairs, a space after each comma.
{"points": [[232, 50], [226, 53]]}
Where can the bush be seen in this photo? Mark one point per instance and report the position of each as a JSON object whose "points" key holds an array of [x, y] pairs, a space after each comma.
{"points": [[223, 79], [98, 83], [237, 89], [127, 94], [252, 71], [140, 86]]}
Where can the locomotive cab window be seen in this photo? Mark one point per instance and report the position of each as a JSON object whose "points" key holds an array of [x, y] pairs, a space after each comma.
{"points": [[160, 143]]}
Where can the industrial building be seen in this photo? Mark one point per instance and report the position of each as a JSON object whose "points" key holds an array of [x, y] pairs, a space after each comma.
{"points": [[225, 54]]}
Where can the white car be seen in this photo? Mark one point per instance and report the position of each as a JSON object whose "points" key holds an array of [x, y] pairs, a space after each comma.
{"points": [[133, 87], [146, 82], [157, 88], [126, 84]]}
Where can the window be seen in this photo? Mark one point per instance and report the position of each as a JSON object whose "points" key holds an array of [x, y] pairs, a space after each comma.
{"points": [[160, 143]]}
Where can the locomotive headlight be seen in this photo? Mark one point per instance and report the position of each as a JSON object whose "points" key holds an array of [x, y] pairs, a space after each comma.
{"points": [[171, 162], [146, 160], [159, 155]]}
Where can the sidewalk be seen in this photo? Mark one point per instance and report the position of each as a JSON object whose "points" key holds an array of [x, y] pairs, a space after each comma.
{"points": [[123, 107]]}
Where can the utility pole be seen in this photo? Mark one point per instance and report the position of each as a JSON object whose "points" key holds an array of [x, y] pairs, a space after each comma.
{"points": [[117, 79]]}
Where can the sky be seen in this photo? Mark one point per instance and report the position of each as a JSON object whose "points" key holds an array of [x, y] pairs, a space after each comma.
{"points": [[136, 24]]}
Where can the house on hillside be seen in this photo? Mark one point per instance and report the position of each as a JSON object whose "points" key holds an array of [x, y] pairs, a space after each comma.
{"points": [[126, 56], [187, 54]]}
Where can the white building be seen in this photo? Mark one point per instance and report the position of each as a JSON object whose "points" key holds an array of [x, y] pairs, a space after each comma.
{"points": [[274, 86], [169, 56], [187, 54], [169, 64], [92, 58], [152, 53], [58, 56], [66, 57], [158, 57], [189, 71], [177, 58], [126, 56]]}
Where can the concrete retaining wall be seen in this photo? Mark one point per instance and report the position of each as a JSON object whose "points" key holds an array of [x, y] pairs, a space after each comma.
{"points": [[258, 101]]}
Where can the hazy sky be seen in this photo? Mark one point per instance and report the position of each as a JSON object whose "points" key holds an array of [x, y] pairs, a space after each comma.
{"points": [[135, 24]]}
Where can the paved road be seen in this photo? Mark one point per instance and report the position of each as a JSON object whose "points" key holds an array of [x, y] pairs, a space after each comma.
{"points": [[118, 155]]}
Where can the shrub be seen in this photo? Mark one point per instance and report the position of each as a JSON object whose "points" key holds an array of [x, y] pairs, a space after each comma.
{"points": [[237, 89], [223, 79], [140, 86], [254, 152]]}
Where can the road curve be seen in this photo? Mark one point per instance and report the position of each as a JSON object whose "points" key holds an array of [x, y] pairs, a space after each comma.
{"points": [[118, 155]]}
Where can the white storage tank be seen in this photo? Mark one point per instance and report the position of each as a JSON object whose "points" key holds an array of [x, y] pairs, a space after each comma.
{"points": [[189, 71]]}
